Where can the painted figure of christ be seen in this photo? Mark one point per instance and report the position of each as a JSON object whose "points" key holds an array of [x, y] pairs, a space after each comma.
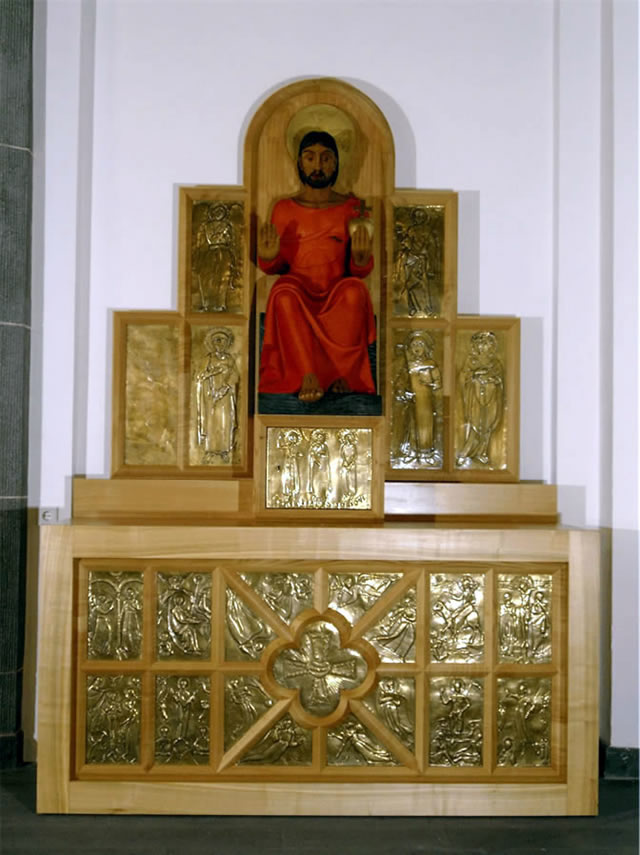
{"points": [[319, 319]]}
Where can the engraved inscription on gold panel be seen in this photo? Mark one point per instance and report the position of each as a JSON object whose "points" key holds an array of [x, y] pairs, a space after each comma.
{"points": [[455, 716], [481, 402], [287, 594], [319, 468], [151, 395], [217, 230], [353, 744], [182, 719], [215, 390], [394, 703], [394, 637], [320, 668], [246, 635], [353, 594], [245, 701], [183, 617], [285, 744], [114, 615], [418, 408], [524, 721], [113, 719], [418, 256], [456, 629], [524, 618]]}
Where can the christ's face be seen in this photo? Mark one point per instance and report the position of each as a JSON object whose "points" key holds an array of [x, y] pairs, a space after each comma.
{"points": [[317, 166]]}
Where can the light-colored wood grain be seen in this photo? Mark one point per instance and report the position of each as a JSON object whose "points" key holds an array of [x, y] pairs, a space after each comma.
{"points": [[295, 799], [583, 672], [55, 668], [199, 500]]}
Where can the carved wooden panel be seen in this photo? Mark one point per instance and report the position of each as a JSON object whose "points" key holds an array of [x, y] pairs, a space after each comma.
{"points": [[421, 670]]}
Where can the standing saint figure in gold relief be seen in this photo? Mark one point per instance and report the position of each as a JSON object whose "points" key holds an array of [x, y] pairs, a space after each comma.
{"points": [[417, 391], [213, 258], [482, 384], [217, 397]]}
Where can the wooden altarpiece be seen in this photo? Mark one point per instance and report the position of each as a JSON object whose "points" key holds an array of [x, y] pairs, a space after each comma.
{"points": [[296, 655]]}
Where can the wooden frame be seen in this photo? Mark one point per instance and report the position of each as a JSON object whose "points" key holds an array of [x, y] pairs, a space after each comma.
{"points": [[573, 790]]}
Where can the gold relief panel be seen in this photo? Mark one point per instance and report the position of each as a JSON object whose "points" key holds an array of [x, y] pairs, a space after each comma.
{"points": [[151, 395], [285, 744], [394, 637], [287, 594], [353, 594], [217, 386], [182, 715], [482, 400], [455, 721], [524, 721], [319, 668], [524, 618], [245, 634], [114, 615], [417, 409], [245, 701], [217, 256], [319, 468], [418, 261], [183, 615], [353, 744], [456, 631], [394, 703], [113, 719]]}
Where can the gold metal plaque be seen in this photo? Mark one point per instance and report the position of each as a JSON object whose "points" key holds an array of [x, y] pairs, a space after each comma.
{"points": [[394, 703], [183, 616], [285, 744], [394, 637], [245, 701], [113, 719], [246, 635], [455, 721], [287, 594], [457, 624], [216, 386], [319, 468], [418, 261], [353, 744], [417, 413], [482, 400], [524, 721], [353, 594], [151, 395], [320, 668], [217, 249], [524, 618], [182, 719], [114, 615]]}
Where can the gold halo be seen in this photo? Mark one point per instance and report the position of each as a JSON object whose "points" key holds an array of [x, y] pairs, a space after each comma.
{"points": [[322, 117]]}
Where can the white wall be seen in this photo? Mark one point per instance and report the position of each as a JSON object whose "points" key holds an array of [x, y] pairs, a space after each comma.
{"points": [[504, 101]]}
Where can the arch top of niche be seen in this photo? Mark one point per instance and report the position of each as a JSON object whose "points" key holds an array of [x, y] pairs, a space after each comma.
{"points": [[362, 133]]}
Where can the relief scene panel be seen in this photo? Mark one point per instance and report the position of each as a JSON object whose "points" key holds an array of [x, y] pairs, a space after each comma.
{"points": [[182, 715], [217, 251], [114, 615], [418, 261], [183, 615], [113, 719]]}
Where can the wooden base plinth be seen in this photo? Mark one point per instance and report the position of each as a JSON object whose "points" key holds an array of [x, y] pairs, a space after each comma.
{"points": [[232, 501]]}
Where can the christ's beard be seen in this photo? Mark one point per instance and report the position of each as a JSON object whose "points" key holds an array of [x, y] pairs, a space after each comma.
{"points": [[318, 179]]}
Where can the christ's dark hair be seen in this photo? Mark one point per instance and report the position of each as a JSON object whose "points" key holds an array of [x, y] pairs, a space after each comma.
{"points": [[315, 138]]}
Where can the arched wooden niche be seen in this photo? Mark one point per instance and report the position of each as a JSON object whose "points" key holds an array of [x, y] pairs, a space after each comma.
{"points": [[365, 143]]}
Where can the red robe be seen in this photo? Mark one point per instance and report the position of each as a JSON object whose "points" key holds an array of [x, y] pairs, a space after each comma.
{"points": [[319, 318]]}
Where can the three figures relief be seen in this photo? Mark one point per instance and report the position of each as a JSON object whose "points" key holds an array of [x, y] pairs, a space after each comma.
{"points": [[319, 318], [216, 390]]}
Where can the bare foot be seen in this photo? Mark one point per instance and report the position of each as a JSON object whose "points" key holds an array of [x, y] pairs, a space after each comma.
{"points": [[340, 386], [310, 390]]}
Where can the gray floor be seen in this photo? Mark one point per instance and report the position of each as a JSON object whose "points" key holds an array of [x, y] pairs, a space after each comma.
{"points": [[613, 832]]}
